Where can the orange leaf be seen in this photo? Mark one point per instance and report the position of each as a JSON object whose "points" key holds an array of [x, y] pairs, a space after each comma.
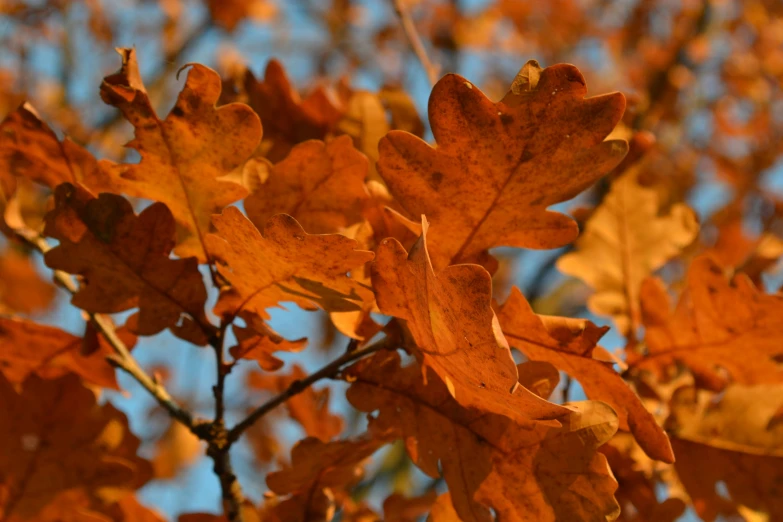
{"points": [[29, 148], [283, 263], [29, 348], [56, 441], [626, 240], [259, 342], [569, 345], [183, 157], [319, 184], [532, 472], [717, 326], [498, 166], [22, 290], [456, 332], [125, 261], [317, 469]]}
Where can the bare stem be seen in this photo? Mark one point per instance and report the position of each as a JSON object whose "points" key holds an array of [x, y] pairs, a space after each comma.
{"points": [[415, 40], [298, 387]]}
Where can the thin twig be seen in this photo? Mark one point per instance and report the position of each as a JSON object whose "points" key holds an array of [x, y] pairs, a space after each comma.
{"points": [[122, 358], [299, 386], [415, 40]]}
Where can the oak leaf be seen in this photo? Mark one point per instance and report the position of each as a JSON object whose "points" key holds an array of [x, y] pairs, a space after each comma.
{"points": [[124, 259], [530, 472], [399, 508], [287, 117], [283, 263], [258, 342], [718, 326], [57, 441], [456, 333], [443, 510], [569, 344], [498, 166], [734, 441], [30, 149], [626, 239], [28, 348], [175, 450], [321, 185], [317, 470], [22, 290], [184, 156]]}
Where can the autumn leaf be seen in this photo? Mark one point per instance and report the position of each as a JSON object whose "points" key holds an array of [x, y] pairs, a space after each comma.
{"points": [[287, 117], [456, 333], [317, 469], [283, 263], [258, 342], [732, 441], [531, 472], [309, 408], [398, 508], [321, 185], [22, 289], [626, 240], [718, 326], [443, 510], [124, 259], [175, 450], [57, 442], [30, 149], [183, 157], [569, 345], [498, 166], [28, 348]]}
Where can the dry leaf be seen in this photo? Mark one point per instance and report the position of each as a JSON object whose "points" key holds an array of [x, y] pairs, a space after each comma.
{"points": [[530, 472], [456, 333], [183, 157], [321, 185], [569, 344], [716, 327], [626, 240], [58, 441], [283, 263], [497, 167], [124, 259]]}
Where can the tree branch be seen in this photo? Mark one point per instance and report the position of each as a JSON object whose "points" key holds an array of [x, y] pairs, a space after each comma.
{"points": [[415, 40], [298, 387]]}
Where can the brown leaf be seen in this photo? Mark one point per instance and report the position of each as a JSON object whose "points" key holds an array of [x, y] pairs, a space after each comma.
{"points": [[183, 157], [56, 441], [318, 468], [524, 472], [288, 118], [717, 326], [22, 290], [443, 510], [125, 261], [625, 240], [498, 167], [175, 450], [284, 263], [30, 149], [398, 508], [321, 185], [29, 348], [259, 342], [309, 408], [568, 345], [450, 317]]}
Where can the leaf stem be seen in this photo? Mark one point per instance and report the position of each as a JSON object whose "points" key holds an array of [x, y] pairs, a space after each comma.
{"points": [[299, 386], [415, 40]]}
